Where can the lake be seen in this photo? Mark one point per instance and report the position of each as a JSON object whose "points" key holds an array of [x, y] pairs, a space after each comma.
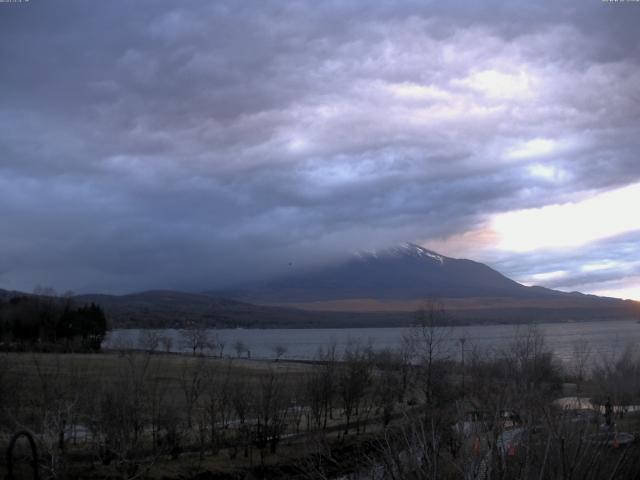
{"points": [[602, 338]]}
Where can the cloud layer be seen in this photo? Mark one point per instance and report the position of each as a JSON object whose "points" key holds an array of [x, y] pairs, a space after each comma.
{"points": [[195, 145]]}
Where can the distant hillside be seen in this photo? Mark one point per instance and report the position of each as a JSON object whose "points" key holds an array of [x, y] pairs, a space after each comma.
{"points": [[171, 309], [4, 294]]}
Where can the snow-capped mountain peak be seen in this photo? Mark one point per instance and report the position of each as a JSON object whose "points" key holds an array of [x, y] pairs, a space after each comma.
{"points": [[416, 251], [406, 250]]}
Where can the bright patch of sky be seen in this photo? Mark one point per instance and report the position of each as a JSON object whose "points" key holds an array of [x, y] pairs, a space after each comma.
{"points": [[571, 224]]}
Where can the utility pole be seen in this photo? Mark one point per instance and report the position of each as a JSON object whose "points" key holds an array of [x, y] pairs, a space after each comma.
{"points": [[462, 340]]}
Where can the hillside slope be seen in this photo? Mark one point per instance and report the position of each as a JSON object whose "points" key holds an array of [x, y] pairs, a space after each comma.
{"points": [[400, 273]]}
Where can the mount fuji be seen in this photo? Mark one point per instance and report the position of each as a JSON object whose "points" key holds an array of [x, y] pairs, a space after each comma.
{"points": [[408, 271], [401, 278]]}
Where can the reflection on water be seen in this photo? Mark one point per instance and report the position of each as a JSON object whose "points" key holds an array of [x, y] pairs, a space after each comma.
{"points": [[602, 338]]}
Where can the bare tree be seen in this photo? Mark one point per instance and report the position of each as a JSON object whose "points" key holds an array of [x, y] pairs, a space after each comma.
{"points": [[428, 340], [314, 398], [406, 355], [121, 416], [217, 344], [195, 338], [167, 342], [157, 407], [354, 380], [321, 389], [279, 351], [241, 395], [148, 340], [8, 393], [580, 361], [617, 376], [271, 409], [239, 347], [530, 363], [192, 382], [58, 396], [217, 401], [387, 383], [328, 382]]}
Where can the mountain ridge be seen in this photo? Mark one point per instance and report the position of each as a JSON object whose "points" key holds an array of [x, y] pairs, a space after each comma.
{"points": [[370, 289], [408, 271]]}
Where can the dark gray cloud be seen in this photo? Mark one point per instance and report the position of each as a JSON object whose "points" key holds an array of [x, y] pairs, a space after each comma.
{"points": [[196, 144]]}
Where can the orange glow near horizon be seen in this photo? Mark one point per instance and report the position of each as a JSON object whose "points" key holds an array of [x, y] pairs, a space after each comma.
{"points": [[556, 227]]}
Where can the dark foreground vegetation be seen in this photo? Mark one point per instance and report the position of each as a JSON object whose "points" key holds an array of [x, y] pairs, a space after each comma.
{"points": [[45, 322], [402, 414]]}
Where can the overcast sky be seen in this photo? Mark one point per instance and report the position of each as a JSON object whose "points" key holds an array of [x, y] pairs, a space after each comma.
{"points": [[194, 145]]}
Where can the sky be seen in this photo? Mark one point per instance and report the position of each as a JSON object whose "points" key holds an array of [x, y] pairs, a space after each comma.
{"points": [[195, 145]]}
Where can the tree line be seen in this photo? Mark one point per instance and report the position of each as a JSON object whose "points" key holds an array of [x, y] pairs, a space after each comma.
{"points": [[47, 322]]}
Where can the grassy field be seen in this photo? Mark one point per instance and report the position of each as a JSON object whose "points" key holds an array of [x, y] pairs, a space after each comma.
{"points": [[28, 377], [35, 384]]}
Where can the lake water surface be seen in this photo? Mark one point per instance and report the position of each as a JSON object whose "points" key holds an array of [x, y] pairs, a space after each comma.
{"points": [[602, 338]]}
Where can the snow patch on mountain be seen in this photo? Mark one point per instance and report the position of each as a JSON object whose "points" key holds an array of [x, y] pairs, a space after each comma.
{"points": [[413, 250], [405, 250]]}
